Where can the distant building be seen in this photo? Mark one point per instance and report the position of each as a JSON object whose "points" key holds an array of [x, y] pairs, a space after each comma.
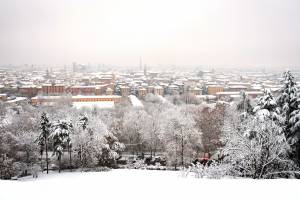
{"points": [[80, 98], [3, 97], [109, 91], [195, 91], [159, 90], [142, 92], [53, 89], [150, 89], [213, 89], [29, 91], [101, 89], [125, 91], [84, 90], [173, 89], [236, 88]]}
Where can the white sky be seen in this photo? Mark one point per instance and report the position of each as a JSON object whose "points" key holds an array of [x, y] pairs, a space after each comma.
{"points": [[182, 32]]}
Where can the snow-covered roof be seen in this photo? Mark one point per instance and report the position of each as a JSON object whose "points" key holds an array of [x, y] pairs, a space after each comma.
{"points": [[17, 99], [210, 97], [237, 86], [83, 86], [238, 83], [77, 97], [96, 96], [227, 93], [158, 87], [90, 105]]}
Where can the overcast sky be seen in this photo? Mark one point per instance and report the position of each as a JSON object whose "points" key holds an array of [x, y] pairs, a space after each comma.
{"points": [[181, 32]]}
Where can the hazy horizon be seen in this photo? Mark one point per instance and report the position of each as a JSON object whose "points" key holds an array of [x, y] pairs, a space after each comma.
{"points": [[180, 32]]}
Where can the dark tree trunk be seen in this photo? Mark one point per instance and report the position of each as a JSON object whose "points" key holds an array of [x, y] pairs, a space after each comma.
{"points": [[47, 161], [59, 163], [70, 158], [182, 152], [42, 162]]}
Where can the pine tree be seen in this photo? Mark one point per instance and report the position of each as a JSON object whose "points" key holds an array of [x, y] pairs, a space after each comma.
{"points": [[43, 138], [294, 139], [61, 139], [289, 103], [267, 107], [244, 105]]}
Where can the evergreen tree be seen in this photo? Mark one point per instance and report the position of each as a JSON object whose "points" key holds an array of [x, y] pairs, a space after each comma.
{"points": [[289, 103], [43, 138], [294, 137], [61, 139], [267, 107], [244, 105]]}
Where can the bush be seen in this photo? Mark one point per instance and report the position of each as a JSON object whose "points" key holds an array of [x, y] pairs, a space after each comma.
{"points": [[214, 170], [96, 169]]}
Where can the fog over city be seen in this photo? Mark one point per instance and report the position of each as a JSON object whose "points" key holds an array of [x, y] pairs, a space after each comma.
{"points": [[149, 99], [171, 32]]}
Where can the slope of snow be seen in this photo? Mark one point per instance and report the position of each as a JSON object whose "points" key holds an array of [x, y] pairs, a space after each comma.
{"points": [[144, 184], [135, 101]]}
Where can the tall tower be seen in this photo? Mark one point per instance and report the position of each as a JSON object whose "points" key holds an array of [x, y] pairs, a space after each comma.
{"points": [[141, 64], [74, 67], [145, 70]]}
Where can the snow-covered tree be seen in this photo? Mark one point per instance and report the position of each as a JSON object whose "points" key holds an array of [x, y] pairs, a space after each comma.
{"points": [[294, 137], [134, 121], [95, 144], [209, 120], [111, 149], [244, 105], [43, 138], [83, 141], [6, 167], [152, 130], [267, 107], [83, 121], [61, 138], [256, 148], [178, 134], [289, 103]]}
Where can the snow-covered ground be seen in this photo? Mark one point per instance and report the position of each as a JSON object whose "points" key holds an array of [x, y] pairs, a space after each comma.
{"points": [[135, 101], [144, 184]]}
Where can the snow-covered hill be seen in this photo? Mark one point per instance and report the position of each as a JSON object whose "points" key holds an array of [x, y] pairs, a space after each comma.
{"points": [[143, 184]]}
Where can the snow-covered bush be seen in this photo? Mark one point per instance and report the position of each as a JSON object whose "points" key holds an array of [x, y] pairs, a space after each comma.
{"points": [[256, 148], [214, 170], [6, 167]]}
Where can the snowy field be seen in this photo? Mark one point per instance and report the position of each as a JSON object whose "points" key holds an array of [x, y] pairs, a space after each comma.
{"points": [[144, 184]]}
